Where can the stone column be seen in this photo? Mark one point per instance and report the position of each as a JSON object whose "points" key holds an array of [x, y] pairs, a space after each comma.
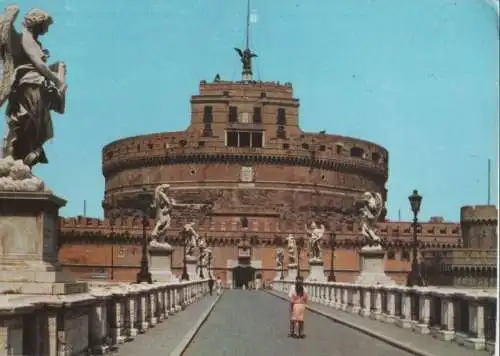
{"points": [[405, 320], [447, 318]]}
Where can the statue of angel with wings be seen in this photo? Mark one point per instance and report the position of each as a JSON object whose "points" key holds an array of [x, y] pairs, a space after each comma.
{"points": [[315, 235], [246, 58], [370, 207], [31, 87], [164, 205]]}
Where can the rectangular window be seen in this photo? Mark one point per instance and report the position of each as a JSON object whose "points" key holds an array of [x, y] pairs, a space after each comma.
{"points": [[280, 132], [244, 118], [281, 117], [257, 115], [207, 130], [244, 139], [233, 114], [232, 139], [257, 139], [207, 114]]}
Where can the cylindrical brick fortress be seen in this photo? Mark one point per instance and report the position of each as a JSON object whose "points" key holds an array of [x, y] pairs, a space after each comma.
{"points": [[479, 226], [271, 171]]}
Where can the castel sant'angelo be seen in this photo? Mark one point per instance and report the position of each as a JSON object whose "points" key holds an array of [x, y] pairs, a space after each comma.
{"points": [[244, 152]]}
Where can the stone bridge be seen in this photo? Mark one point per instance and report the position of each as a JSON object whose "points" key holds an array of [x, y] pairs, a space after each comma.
{"points": [[183, 319]]}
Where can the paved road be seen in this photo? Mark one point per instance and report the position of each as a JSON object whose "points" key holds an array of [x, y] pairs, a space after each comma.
{"points": [[164, 337], [253, 323]]}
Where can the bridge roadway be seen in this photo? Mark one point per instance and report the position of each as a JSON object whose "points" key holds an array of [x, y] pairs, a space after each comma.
{"points": [[254, 323]]}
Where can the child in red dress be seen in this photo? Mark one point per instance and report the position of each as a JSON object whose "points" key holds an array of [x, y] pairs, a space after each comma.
{"points": [[298, 302]]}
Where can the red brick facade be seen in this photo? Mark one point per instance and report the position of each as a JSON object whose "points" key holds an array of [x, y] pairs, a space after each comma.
{"points": [[244, 152]]}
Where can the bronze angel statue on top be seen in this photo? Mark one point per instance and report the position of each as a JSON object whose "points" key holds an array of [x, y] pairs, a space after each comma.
{"points": [[246, 58], [31, 87]]}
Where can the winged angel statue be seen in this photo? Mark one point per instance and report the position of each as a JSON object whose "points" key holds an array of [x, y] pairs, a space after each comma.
{"points": [[315, 235], [370, 208], [31, 87]]}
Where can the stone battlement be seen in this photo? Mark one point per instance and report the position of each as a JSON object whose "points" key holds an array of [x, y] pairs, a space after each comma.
{"points": [[479, 213], [443, 234]]}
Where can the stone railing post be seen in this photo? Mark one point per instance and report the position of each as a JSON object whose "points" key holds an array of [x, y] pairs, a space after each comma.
{"points": [[356, 300], [476, 338], [424, 305], [366, 295], [98, 322], [116, 324], [390, 317], [11, 328], [345, 298], [143, 315], [376, 313], [405, 319]]}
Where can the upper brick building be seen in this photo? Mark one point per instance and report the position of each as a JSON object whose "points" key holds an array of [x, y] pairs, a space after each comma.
{"points": [[243, 151]]}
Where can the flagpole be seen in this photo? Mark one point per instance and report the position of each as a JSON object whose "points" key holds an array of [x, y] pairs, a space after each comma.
{"points": [[489, 181]]}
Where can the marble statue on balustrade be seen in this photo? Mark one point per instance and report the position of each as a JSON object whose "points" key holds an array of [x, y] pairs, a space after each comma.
{"points": [[164, 205], [32, 89], [202, 249], [292, 249], [370, 207], [191, 239], [280, 256], [315, 234]]}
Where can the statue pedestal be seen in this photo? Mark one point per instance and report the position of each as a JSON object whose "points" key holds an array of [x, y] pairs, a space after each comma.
{"points": [[278, 274], [316, 271], [29, 250], [372, 266], [204, 270], [160, 262], [191, 265], [292, 272]]}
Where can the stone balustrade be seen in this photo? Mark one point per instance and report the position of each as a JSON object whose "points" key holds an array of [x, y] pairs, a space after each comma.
{"points": [[93, 322], [465, 316]]}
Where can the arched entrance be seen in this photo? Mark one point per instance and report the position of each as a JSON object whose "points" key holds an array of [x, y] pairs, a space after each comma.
{"points": [[242, 276]]}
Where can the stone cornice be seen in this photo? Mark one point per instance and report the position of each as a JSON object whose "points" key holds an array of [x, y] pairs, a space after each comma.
{"points": [[336, 164]]}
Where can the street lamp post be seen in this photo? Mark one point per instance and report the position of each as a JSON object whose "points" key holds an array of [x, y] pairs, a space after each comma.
{"points": [[333, 241], [185, 275], [414, 277], [144, 275], [201, 267], [209, 258], [300, 242], [282, 263]]}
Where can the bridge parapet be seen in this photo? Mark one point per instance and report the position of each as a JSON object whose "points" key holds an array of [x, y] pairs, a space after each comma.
{"points": [[93, 322], [466, 316]]}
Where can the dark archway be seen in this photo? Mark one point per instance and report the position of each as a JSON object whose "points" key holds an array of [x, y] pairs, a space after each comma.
{"points": [[242, 276]]}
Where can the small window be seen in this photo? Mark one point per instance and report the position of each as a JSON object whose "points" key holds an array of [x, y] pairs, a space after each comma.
{"points": [[286, 146], [376, 157], [391, 255], [244, 139], [357, 152], [280, 132], [201, 143], [281, 117], [233, 114], [232, 139], [244, 118], [339, 149], [257, 115], [183, 143], [305, 146], [207, 114], [257, 139], [405, 255], [322, 148]]}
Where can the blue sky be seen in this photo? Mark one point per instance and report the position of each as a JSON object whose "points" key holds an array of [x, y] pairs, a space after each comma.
{"points": [[418, 77]]}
